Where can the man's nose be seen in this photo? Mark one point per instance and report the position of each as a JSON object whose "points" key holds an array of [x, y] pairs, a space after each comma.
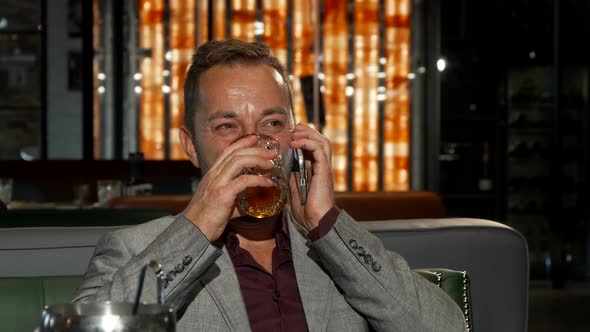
{"points": [[250, 129]]}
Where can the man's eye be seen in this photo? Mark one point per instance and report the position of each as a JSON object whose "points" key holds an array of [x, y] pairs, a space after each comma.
{"points": [[224, 126], [275, 123]]}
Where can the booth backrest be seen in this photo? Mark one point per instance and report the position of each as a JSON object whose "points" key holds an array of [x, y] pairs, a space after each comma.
{"points": [[56, 242], [47, 251], [494, 255]]}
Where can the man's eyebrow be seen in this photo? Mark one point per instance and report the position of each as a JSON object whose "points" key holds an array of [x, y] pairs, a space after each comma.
{"points": [[222, 115], [233, 115], [274, 110]]}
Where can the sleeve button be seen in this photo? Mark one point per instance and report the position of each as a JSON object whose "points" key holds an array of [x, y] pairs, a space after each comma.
{"points": [[170, 276], [187, 260], [376, 267], [361, 251]]}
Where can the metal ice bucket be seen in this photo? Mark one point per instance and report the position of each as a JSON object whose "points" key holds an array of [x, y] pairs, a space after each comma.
{"points": [[107, 317]]}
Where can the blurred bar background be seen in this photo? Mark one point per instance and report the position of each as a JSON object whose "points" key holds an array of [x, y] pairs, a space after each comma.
{"points": [[485, 103]]}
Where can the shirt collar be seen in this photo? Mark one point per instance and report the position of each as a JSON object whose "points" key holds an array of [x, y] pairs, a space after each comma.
{"points": [[282, 239]]}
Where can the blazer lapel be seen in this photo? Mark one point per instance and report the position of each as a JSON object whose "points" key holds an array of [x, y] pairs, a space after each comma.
{"points": [[312, 281], [223, 286]]}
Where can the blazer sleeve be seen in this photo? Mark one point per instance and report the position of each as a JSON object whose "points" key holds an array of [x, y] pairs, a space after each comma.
{"points": [[114, 270], [380, 285]]}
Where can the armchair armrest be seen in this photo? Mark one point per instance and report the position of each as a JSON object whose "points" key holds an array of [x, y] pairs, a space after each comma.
{"points": [[457, 285]]}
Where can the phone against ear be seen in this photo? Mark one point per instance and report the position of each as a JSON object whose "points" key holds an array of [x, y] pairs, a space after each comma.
{"points": [[299, 167]]}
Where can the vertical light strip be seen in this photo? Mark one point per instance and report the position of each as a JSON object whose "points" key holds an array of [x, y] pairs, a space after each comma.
{"points": [[182, 45], [397, 105], [243, 17], [366, 57], [151, 110], [335, 62], [303, 52], [198, 14], [219, 19], [276, 29], [274, 18]]}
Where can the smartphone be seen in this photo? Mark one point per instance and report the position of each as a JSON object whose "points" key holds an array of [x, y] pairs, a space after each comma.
{"points": [[299, 167]]}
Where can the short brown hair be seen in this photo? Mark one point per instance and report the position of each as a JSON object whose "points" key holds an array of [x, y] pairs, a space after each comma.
{"points": [[226, 52]]}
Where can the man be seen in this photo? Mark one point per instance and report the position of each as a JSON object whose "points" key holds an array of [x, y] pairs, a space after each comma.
{"points": [[310, 268]]}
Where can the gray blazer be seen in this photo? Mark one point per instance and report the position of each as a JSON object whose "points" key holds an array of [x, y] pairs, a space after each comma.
{"points": [[346, 279]]}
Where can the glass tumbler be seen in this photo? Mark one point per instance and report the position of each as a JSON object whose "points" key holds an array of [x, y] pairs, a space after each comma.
{"points": [[264, 202]]}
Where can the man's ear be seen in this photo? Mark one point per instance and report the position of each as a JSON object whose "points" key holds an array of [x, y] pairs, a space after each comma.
{"points": [[188, 145]]}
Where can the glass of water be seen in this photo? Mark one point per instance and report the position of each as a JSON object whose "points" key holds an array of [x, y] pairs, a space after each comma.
{"points": [[6, 191]]}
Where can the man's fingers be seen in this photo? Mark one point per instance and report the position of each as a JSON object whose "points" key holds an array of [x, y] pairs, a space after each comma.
{"points": [[316, 148], [242, 143], [234, 166], [244, 181], [294, 189], [302, 133]]}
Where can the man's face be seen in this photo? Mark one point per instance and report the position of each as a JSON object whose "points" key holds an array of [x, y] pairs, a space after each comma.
{"points": [[238, 100]]}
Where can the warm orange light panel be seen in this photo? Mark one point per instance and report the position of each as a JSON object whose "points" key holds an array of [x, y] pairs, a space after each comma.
{"points": [[182, 44], [151, 110], [274, 18], [366, 107], [243, 16], [335, 34], [361, 85], [397, 102], [304, 26]]}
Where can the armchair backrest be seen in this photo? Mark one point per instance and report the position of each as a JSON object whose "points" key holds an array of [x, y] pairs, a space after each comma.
{"points": [[57, 242], [494, 255]]}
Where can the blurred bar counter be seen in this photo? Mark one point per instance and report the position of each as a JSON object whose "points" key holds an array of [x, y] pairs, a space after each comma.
{"points": [[50, 181]]}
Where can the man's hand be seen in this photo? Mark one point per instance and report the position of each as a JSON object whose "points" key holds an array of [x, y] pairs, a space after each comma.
{"points": [[213, 203], [318, 155]]}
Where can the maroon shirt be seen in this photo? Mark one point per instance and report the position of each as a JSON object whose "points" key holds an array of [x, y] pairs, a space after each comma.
{"points": [[272, 300]]}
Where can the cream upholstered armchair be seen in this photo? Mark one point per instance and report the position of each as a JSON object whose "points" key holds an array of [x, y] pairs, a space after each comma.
{"points": [[44, 253]]}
